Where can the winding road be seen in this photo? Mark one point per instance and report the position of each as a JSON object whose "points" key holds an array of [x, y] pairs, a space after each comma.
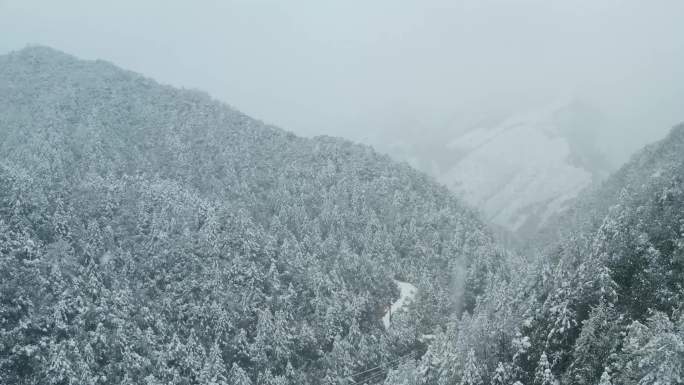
{"points": [[406, 294]]}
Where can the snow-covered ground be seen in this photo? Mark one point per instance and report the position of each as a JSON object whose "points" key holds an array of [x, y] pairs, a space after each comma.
{"points": [[406, 294]]}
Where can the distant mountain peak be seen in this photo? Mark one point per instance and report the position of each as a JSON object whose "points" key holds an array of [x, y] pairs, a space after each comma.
{"points": [[523, 169]]}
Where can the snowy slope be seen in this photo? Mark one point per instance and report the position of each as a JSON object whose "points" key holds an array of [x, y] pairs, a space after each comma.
{"points": [[519, 170], [406, 294]]}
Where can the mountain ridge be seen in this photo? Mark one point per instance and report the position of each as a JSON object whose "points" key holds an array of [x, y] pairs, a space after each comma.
{"points": [[203, 245]]}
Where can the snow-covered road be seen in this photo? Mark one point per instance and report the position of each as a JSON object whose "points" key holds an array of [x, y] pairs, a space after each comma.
{"points": [[406, 294]]}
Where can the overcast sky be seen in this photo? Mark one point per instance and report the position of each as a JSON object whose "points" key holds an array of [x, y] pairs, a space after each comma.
{"points": [[344, 67]]}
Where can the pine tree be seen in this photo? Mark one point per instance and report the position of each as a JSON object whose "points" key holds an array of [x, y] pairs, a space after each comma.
{"points": [[238, 376], [521, 346], [598, 339], [605, 378], [500, 376], [214, 371], [471, 371], [543, 374], [194, 356], [60, 369], [653, 354]]}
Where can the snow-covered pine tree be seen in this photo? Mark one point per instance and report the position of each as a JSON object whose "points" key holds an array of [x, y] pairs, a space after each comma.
{"points": [[471, 372], [543, 374], [237, 376]]}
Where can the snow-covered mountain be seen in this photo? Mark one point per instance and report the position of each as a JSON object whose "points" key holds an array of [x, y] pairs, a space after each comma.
{"points": [[121, 198], [527, 167], [521, 169]]}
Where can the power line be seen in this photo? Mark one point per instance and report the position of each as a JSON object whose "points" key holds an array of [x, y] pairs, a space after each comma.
{"points": [[388, 365], [371, 379], [374, 378], [382, 365]]}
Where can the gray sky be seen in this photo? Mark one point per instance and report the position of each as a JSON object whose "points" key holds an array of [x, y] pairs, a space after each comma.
{"points": [[351, 68]]}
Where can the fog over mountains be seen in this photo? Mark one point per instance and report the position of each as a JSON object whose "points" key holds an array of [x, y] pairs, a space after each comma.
{"points": [[154, 235], [410, 78], [520, 169], [358, 69], [344, 192]]}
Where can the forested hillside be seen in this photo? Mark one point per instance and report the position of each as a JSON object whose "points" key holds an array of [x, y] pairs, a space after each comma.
{"points": [[647, 167], [604, 305], [150, 235]]}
